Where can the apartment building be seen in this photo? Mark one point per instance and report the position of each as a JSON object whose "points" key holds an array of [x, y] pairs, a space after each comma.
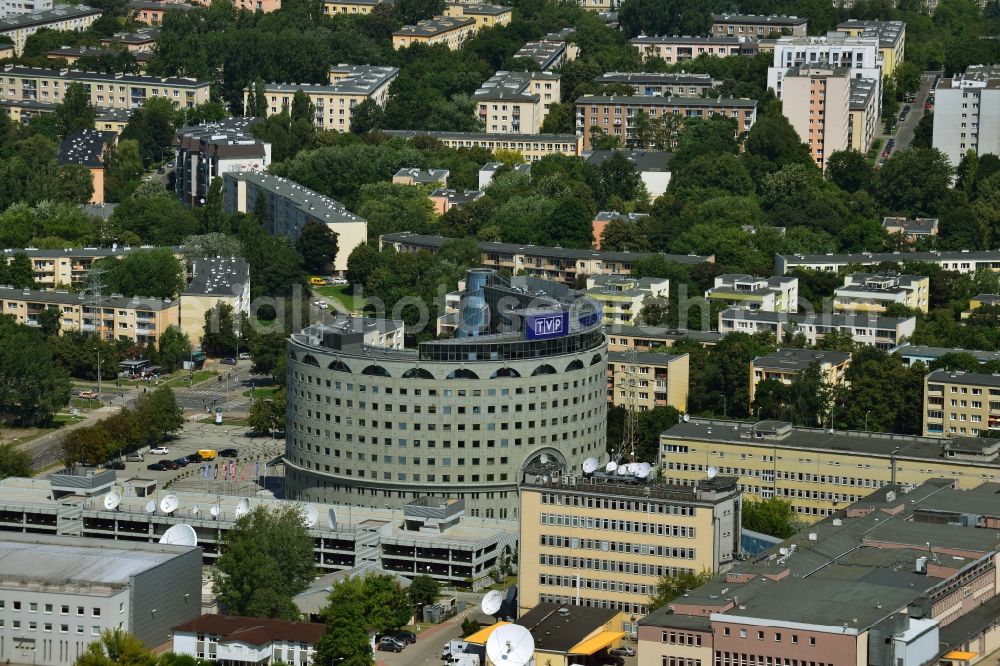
{"points": [[19, 26], [153, 12], [88, 148], [6, 51], [452, 32], [967, 113], [860, 55], [107, 91], [334, 7], [958, 403], [864, 328], [906, 576], [891, 36], [622, 297], [863, 106], [205, 152], [674, 49], [816, 101], [594, 540], [444, 199], [748, 292], [485, 15], [140, 40], [911, 230], [516, 102], [958, 261], [980, 301], [661, 84], [648, 381], [787, 365], [64, 268], [648, 338], [243, 641], [115, 317], [489, 170], [211, 281], [264, 6], [758, 27], [605, 217], [869, 292], [531, 147], [548, 55], [818, 471], [349, 86], [615, 114], [69, 55], [291, 206], [18, 7], [653, 167], [911, 354], [406, 176]]}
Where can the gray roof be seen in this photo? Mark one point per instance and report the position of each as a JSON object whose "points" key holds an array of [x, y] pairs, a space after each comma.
{"points": [[647, 358], [661, 78], [921, 352], [511, 86], [46, 16], [644, 160], [481, 9], [9, 293], [88, 252], [217, 276], [137, 37], [484, 136], [861, 93], [85, 147], [611, 215], [229, 137], [361, 80], [311, 203], [821, 319], [545, 53], [919, 226], [423, 175], [458, 197], [73, 75], [755, 19], [798, 360], [964, 378], [662, 333], [554, 632], [160, 5], [878, 257], [654, 100], [435, 26], [687, 39], [889, 33], [981, 500]]}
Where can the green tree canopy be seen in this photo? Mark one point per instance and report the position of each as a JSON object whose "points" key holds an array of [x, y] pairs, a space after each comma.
{"points": [[75, 111], [773, 516], [317, 243], [156, 273]]}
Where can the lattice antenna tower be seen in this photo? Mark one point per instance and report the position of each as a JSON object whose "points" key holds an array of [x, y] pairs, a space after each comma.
{"points": [[631, 425]]}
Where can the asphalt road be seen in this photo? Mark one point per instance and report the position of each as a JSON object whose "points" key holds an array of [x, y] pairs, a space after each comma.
{"points": [[905, 129]]}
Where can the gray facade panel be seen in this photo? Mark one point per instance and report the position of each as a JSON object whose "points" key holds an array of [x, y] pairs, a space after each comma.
{"points": [[165, 596]]}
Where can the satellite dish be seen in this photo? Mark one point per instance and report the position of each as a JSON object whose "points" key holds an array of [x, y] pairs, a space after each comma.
{"points": [[112, 500], [645, 469], [491, 602], [169, 504], [544, 458], [215, 511], [632, 468], [331, 519], [686, 418], [510, 645], [150, 506], [195, 510], [590, 465], [310, 515], [783, 550], [243, 508], [180, 535], [611, 466], [712, 472]]}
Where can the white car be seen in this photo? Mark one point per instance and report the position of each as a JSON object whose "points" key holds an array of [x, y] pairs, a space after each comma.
{"points": [[159, 451], [244, 356], [323, 305]]}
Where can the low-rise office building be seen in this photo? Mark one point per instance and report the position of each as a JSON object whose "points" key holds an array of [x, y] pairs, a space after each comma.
{"points": [[911, 354], [452, 32], [407, 176], [606, 217], [748, 292], [444, 199], [61, 592], [674, 49], [485, 15], [967, 113], [205, 152], [661, 84], [816, 101], [349, 86], [818, 471], [604, 542], [869, 292], [653, 167], [911, 230], [18, 7], [959, 403], [516, 102], [236, 640], [889, 579], [615, 115], [757, 26], [891, 36], [958, 261], [211, 281], [623, 297], [787, 365], [863, 107], [19, 26], [531, 147], [864, 328], [291, 206], [648, 380], [88, 148], [981, 301]]}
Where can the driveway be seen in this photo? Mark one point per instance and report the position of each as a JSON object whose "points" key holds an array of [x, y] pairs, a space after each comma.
{"points": [[904, 132]]}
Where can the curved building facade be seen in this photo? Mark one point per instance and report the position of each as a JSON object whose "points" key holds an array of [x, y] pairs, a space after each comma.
{"points": [[521, 390]]}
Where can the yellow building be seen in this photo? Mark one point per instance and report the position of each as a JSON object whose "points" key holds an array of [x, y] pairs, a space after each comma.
{"points": [[623, 297], [864, 109], [115, 317], [63, 268], [661, 380], [870, 292], [447, 30], [213, 280], [486, 16], [605, 542], [516, 102], [814, 469], [648, 338], [979, 301], [75, 18], [786, 365], [334, 7], [957, 404], [531, 146], [891, 37]]}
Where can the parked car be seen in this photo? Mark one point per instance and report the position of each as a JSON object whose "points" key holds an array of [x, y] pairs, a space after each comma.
{"points": [[195, 458], [159, 450], [170, 464], [228, 453], [170, 165], [406, 637], [244, 356], [228, 361], [182, 462], [161, 170], [389, 644], [134, 457], [157, 466], [87, 395], [117, 464], [623, 651]]}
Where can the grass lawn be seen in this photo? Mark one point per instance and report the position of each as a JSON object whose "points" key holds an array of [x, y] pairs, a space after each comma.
{"points": [[343, 293], [232, 421], [265, 393]]}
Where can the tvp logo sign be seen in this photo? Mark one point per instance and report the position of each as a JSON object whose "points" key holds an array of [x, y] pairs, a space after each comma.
{"points": [[548, 325]]}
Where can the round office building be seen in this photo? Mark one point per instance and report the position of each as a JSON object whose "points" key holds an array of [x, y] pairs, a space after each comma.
{"points": [[519, 389]]}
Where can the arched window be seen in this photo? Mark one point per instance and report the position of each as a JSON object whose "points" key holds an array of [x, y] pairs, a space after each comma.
{"points": [[596, 359], [417, 373], [309, 359], [376, 370], [462, 373], [338, 366], [505, 372], [544, 369], [575, 365]]}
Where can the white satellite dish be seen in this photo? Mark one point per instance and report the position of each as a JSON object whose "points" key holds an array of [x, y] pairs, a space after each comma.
{"points": [[151, 506], [215, 511], [712, 472], [632, 468], [243, 508], [491, 602], [686, 418], [590, 465], [310, 515], [331, 518], [510, 645], [611, 467], [195, 510], [112, 500], [645, 469], [783, 550], [180, 535], [169, 504]]}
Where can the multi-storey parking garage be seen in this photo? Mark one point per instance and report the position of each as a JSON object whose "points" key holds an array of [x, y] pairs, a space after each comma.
{"points": [[520, 390]]}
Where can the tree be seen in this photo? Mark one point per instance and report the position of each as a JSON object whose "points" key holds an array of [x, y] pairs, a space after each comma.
{"points": [[219, 338], [14, 461], [267, 416], [20, 273], [669, 588], [849, 170], [654, 313], [665, 17], [212, 245], [174, 347], [266, 559], [152, 125], [32, 386], [317, 244], [366, 117], [923, 133], [49, 321], [708, 176], [153, 215], [773, 516], [159, 414], [76, 183], [116, 647], [302, 107], [423, 591], [411, 11], [623, 234], [122, 171], [915, 182], [345, 640], [469, 626], [75, 112], [156, 273], [620, 179], [268, 353], [772, 144], [387, 604]]}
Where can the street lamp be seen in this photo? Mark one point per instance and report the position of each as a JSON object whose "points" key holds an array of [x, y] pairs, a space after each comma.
{"points": [[866, 419]]}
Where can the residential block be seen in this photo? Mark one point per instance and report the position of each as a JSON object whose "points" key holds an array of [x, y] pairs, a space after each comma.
{"points": [[205, 152], [967, 113], [748, 292], [787, 365], [516, 102], [866, 328], [447, 30], [654, 379], [18, 25], [959, 403], [869, 292], [816, 101], [757, 26], [622, 297], [530, 146], [674, 49]]}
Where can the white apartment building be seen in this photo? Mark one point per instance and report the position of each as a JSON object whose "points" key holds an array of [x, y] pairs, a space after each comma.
{"points": [[967, 113], [749, 292], [516, 102], [865, 329], [17, 7], [235, 640], [21, 25]]}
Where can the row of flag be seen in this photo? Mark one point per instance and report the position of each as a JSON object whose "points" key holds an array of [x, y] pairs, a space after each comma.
{"points": [[232, 472]]}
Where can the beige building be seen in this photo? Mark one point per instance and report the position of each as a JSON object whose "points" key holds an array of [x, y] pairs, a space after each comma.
{"points": [[653, 338], [773, 294], [787, 365], [349, 86], [865, 328], [957, 404], [65, 268], [674, 49], [660, 380], [864, 110], [516, 102], [594, 540], [141, 40], [447, 30], [115, 317], [869, 292], [816, 102], [432, 177], [891, 36], [622, 297], [107, 91], [531, 147], [334, 7], [213, 280], [911, 230], [757, 26], [485, 16], [76, 18], [444, 199], [818, 471], [979, 301]]}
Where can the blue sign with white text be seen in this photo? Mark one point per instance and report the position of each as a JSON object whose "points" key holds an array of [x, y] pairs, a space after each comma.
{"points": [[548, 325]]}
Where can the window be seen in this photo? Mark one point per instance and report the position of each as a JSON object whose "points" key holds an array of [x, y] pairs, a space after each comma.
{"points": [[812, 641], [96, 612], [95, 630]]}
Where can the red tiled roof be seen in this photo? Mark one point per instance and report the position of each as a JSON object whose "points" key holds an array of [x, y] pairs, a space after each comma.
{"points": [[253, 630]]}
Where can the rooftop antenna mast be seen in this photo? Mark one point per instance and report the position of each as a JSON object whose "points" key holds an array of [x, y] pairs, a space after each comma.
{"points": [[95, 287], [631, 424]]}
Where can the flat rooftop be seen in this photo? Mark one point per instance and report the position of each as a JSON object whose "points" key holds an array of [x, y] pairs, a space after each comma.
{"points": [[556, 631], [57, 13], [921, 352], [434, 26], [9, 293], [73, 75], [357, 80], [964, 378], [655, 100], [313, 204], [485, 137], [798, 360], [758, 19]]}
